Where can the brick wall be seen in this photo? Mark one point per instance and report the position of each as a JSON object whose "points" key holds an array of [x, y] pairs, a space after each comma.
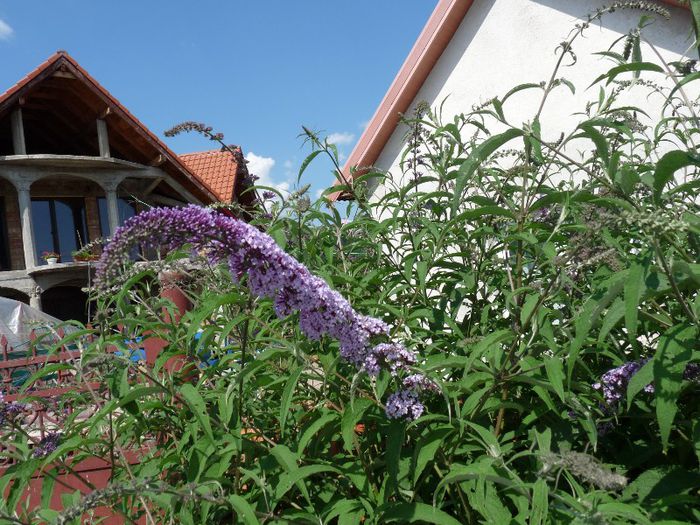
{"points": [[13, 225]]}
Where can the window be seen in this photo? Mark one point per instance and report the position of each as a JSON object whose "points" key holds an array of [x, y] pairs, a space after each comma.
{"points": [[60, 226], [126, 210]]}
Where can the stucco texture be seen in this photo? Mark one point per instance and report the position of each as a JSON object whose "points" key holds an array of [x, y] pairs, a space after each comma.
{"points": [[503, 43]]}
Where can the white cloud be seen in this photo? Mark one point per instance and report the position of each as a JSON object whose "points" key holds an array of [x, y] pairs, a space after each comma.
{"points": [[340, 138], [288, 164], [262, 166], [364, 124], [6, 31]]}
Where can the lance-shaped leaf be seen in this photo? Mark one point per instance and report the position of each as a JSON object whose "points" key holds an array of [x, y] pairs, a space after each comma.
{"points": [[674, 350], [477, 156]]}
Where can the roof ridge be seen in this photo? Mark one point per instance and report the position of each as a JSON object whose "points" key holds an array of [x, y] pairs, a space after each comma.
{"points": [[203, 152]]}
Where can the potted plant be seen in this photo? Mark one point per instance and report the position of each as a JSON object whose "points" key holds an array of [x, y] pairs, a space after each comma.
{"points": [[51, 257], [84, 254]]}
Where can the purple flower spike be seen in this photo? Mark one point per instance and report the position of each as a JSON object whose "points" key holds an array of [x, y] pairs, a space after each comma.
{"points": [[271, 272], [47, 445], [393, 356], [614, 382], [404, 404], [420, 383]]}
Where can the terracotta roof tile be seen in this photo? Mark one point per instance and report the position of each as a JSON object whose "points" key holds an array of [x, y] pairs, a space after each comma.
{"points": [[217, 169]]}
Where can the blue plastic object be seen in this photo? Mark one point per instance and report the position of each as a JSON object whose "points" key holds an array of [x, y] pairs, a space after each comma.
{"points": [[205, 355], [136, 354]]}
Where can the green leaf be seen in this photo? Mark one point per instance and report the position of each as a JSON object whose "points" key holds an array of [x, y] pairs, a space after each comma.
{"points": [[685, 80], [667, 166], [518, 88], [426, 449], [540, 502], [310, 431], [601, 143], [641, 379], [634, 289], [353, 413], [674, 350], [626, 178], [287, 395], [611, 319], [394, 444], [296, 476], [48, 482], [416, 512], [198, 407], [626, 68], [555, 374], [477, 156], [343, 507], [138, 393], [245, 512], [528, 308]]}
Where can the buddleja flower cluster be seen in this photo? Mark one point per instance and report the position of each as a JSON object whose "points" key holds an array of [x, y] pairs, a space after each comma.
{"points": [[9, 409], [47, 445], [614, 382], [270, 273]]}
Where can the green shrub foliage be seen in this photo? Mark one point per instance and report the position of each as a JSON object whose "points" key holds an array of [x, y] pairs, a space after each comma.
{"points": [[548, 286]]}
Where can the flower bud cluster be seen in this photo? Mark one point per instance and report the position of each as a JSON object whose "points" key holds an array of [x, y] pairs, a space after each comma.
{"points": [[614, 382], [10, 409], [47, 445]]}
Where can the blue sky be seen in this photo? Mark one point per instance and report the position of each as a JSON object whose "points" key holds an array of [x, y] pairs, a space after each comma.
{"points": [[255, 70]]}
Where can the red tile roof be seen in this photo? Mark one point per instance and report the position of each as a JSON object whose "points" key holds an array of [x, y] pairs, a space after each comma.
{"points": [[217, 169]]}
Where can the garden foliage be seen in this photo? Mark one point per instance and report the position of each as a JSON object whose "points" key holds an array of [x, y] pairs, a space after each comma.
{"points": [[541, 363]]}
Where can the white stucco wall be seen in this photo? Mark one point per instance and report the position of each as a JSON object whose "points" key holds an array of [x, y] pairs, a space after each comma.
{"points": [[502, 43]]}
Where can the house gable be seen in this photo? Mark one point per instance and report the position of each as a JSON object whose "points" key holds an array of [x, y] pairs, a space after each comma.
{"points": [[62, 108], [433, 40]]}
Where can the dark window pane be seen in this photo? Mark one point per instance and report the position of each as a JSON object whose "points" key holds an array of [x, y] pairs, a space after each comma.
{"points": [[67, 228], [126, 210], [104, 216], [43, 227], [59, 226]]}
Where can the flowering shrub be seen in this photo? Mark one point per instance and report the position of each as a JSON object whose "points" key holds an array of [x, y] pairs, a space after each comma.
{"points": [[505, 332]]}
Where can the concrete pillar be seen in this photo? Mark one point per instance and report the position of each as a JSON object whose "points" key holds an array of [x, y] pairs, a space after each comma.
{"points": [[18, 144], [35, 298], [110, 188], [103, 138], [24, 200]]}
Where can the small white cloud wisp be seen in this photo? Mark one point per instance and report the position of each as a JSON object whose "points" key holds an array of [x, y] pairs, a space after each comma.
{"points": [[6, 32], [340, 138], [261, 167]]}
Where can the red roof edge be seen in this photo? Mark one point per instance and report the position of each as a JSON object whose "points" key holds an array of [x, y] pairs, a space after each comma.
{"points": [[432, 41]]}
